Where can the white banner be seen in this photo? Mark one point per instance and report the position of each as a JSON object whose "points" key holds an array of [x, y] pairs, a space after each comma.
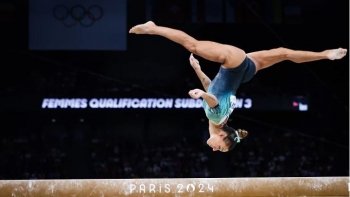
{"points": [[131, 103]]}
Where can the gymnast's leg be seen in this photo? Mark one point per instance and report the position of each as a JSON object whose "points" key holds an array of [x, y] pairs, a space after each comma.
{"points": [[268, 58], [228, 56]]}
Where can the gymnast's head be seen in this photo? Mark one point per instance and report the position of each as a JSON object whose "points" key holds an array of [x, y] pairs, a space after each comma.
{"points": [[226, 138]]}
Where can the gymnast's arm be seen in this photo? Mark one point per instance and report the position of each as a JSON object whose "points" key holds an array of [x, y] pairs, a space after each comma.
{"points": [[204, 79], [201, 75], [209, 98]]}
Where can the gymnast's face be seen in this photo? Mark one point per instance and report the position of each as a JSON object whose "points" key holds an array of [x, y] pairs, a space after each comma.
{"points": [[216, 142]]}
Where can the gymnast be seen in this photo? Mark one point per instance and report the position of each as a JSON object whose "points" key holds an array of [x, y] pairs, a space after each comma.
{"points": [[236, 67]]}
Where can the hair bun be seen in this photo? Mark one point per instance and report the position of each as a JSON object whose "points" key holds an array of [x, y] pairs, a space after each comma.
{"points": [[242, 133]]}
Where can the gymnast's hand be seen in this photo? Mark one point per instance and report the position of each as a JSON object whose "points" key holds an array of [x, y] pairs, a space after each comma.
{"points": [[194, 62], [196, 93]]}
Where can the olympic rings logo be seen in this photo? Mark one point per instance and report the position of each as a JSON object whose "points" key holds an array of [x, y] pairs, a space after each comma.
{"points": [[78, 14]]}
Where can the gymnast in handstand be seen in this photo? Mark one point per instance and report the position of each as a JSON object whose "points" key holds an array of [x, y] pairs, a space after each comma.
{"points": [[236, 67]]}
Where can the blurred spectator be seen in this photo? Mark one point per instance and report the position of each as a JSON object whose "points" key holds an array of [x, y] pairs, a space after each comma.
{"points": [[42, 157]]}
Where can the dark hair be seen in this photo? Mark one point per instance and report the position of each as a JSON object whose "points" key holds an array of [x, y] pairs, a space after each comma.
{"points": [[231, 140]]}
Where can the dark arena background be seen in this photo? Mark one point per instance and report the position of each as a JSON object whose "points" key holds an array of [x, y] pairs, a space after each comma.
{"points": [[88, 109]]}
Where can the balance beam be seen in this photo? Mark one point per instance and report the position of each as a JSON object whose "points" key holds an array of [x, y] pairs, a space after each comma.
{"points": [[220, 187]]}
